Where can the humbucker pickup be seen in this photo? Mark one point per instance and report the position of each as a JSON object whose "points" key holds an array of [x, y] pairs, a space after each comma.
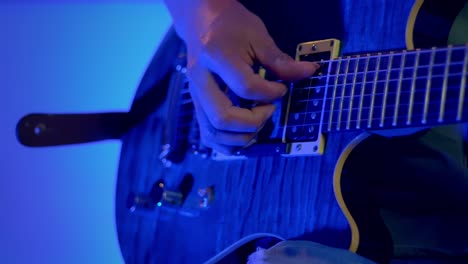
{"points": [[295, 128]]}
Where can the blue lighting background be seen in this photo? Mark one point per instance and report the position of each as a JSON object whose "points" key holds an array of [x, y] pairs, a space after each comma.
{"points": [[57, 204]]}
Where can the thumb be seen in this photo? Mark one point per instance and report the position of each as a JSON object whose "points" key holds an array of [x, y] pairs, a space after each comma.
{"points": [[280, 63]]}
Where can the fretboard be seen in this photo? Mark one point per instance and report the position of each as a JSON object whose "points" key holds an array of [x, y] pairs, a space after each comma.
{"points": [[382, 91]]}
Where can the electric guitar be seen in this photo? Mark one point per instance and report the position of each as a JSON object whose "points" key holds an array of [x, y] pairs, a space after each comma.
{"points": [[291, 182]]}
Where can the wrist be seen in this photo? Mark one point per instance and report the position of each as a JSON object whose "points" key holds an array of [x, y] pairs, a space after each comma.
{"points": [[192, 18]]}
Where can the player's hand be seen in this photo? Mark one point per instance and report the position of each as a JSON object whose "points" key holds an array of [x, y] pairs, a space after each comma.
{"points": [[227, 42]]}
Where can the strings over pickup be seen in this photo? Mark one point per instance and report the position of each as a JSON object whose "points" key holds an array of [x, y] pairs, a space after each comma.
{"points": [[305, 109], [397, 89], [306, 98], [387, 90]]}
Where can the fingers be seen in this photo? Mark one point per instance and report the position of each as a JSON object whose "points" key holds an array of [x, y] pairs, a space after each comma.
{"points": [[219, 110], [281, 64], [237, 72], [224, 126], [211, 133], [241, 78], [224, 141]]}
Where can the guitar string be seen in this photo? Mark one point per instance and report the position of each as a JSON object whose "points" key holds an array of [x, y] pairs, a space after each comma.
{"points": [[380, 81], [307, 103], [375, 123], [372, 82], [448, 102], [369, 56], [389, 124], [433, 115], [348, 59], [382, 119], [402, 53], [452, 74], [397, 70], [305, 113]]}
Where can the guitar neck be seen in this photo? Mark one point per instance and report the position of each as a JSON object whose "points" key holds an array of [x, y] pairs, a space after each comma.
{"points": [[382, 91]]}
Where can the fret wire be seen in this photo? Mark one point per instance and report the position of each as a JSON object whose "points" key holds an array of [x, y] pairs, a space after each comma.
{"points": [[390, 93], [332, 102], [444, 86], [307, 103], [361, 99], [393, 69], [428, 86], [462, 86], [352, 93], [413, 87], [402, 72], [454, 112], [452, 100], [343, 89], [387, 80], [374, 88], [325, 94], [382, 81], [288, 108], [397, 99], [401, 53], [463, 80], [387, 118], [376, 119]]}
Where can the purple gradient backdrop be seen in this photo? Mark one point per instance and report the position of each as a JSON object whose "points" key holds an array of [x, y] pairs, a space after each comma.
{"points": [[57, 204]]}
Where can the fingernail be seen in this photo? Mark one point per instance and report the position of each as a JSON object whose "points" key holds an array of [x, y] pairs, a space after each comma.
{"points": [[274, 108], [307, 69], [315, 65], [251, 142]]}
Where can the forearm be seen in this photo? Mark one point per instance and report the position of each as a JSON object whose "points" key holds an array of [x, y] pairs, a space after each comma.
{"points": [[192, 17]]}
